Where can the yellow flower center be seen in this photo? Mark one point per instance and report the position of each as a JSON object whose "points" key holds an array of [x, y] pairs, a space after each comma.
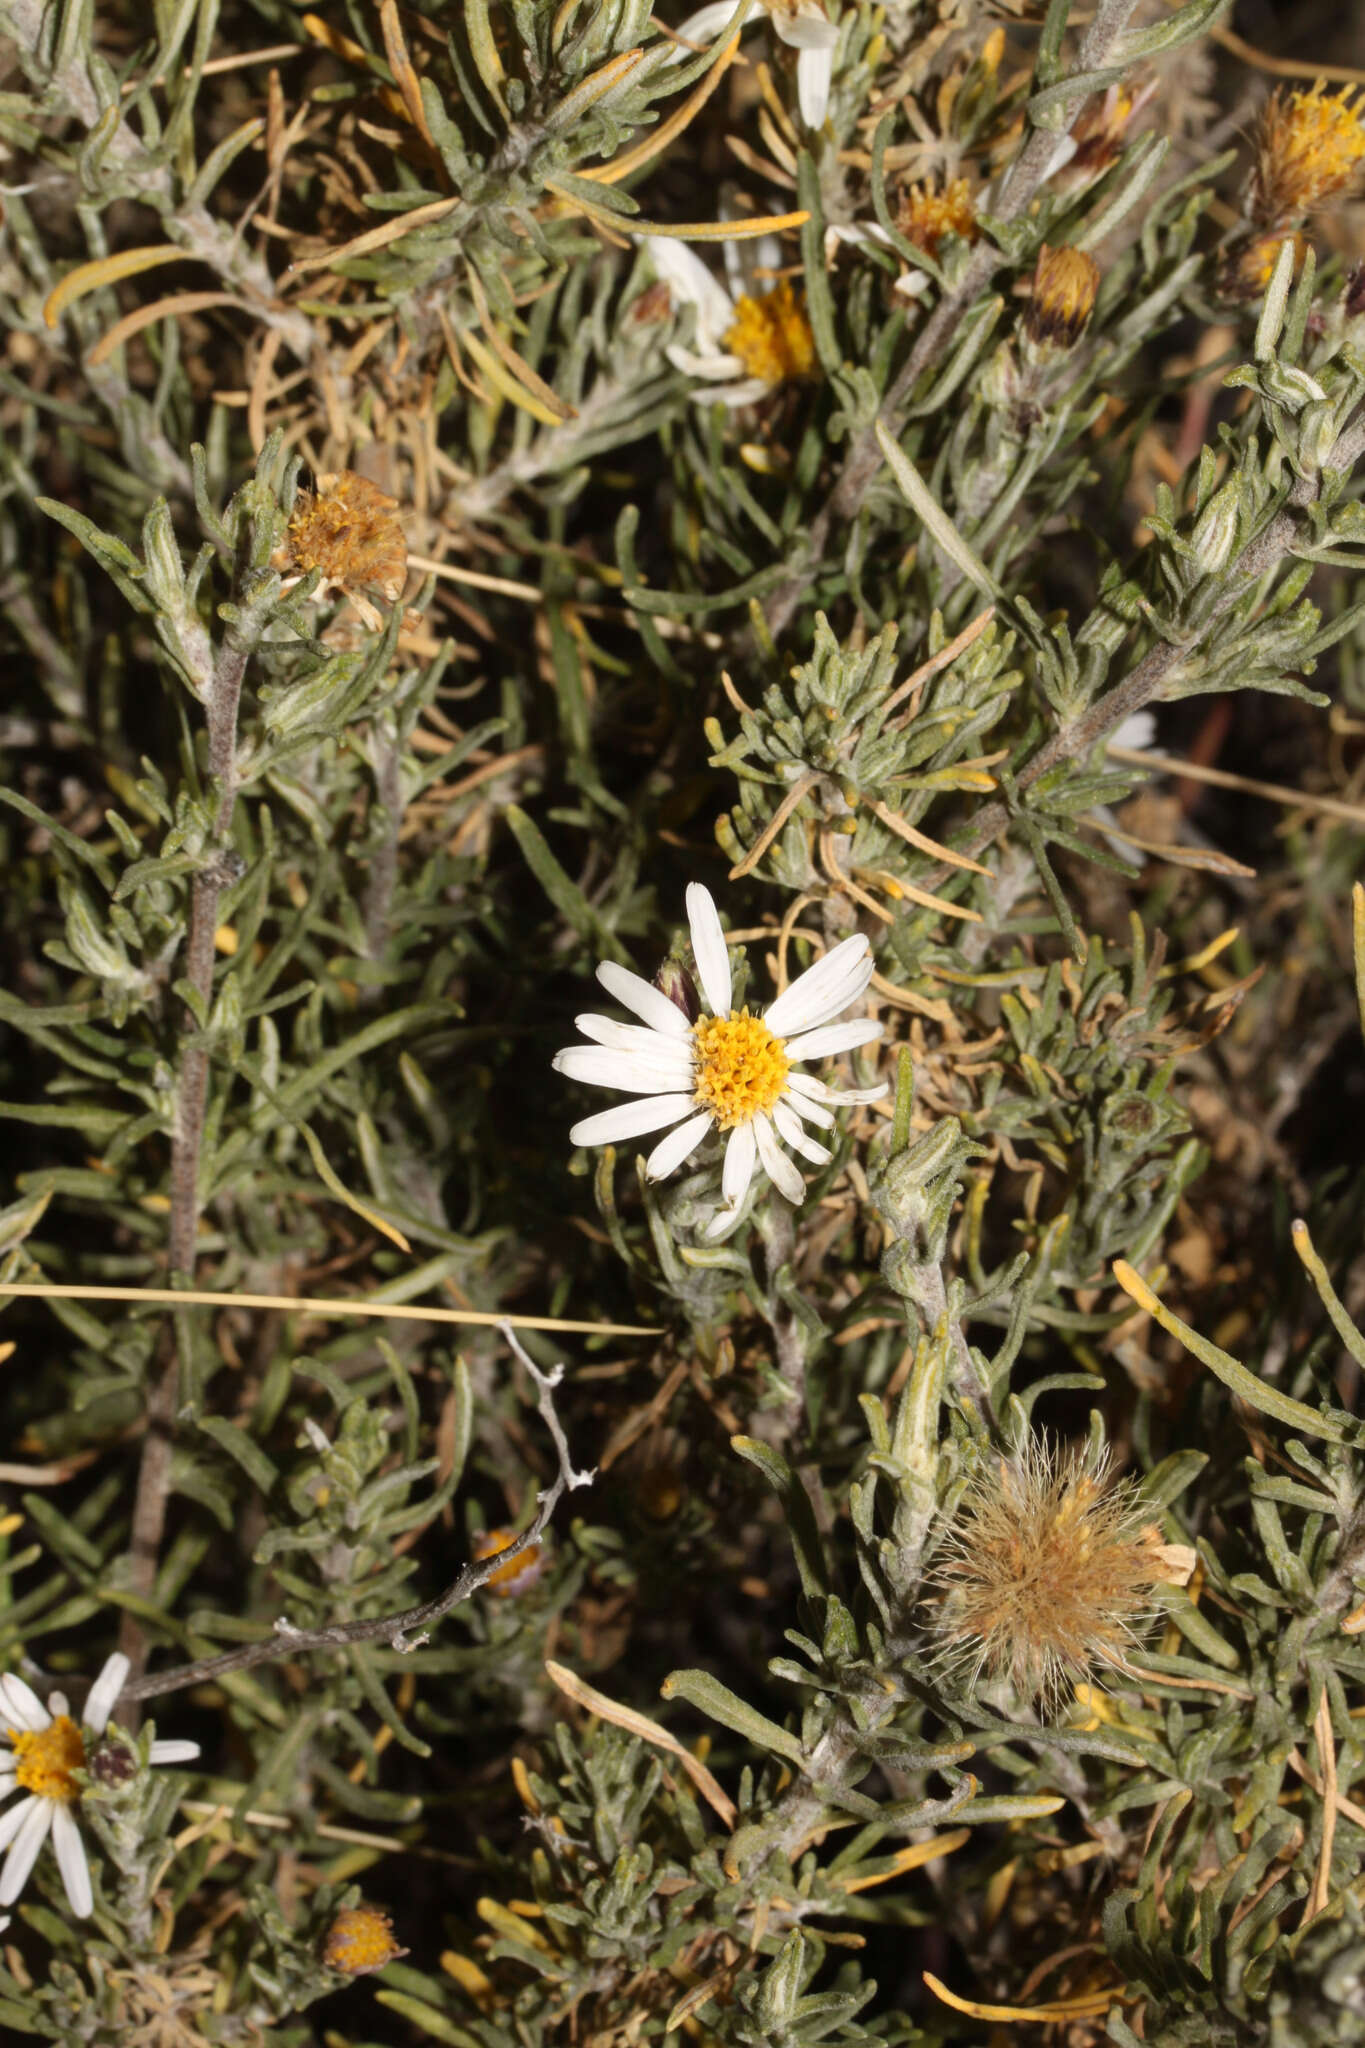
{"points": [[360, 1939], [47, 1759], [741, 1068], [771, 335]]}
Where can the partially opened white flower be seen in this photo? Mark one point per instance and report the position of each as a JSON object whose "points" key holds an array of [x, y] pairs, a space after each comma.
{"points": [[46, 1749], [729, 1071], [745, 344], [802, 24]]}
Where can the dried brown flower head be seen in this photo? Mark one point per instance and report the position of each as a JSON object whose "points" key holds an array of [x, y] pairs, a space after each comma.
{"points": [[349, 529], [1308, 150], [925, 215], [359, 1940], [519, 1573], [1048, 1569], [1064, 285]]}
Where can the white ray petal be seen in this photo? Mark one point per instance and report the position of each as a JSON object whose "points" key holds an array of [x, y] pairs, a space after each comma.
{"points": [[806, 1002], [708, 944], [28, 1840], [734, 395], [802, 1104], [13, 1819], [738, 1170], [1137, 731], [715, 367], [174, 1752], [791, 1133], [705, 25], [25, 1709], [643, 999], [71, 1861], [105, 1691], [844, 1096], [830, 1038], [679, 1145], [630, 1120], [814, 76], [58, 1704], [691, 283], [635, 1073], [803, 24], [626, 1037], [784, 1174]]}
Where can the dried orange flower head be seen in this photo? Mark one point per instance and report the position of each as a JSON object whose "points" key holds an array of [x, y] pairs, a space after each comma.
{"points": [[1064, 285], [1048, 1569], [349, 530], [519, 1572], [925, 215], [1308, 150], [771, 335], [359, 1940]]}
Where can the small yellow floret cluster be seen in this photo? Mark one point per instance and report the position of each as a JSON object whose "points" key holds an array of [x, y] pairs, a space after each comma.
{"points": [[46, 1759], [360, 1939], [771, 335], [741, 1068]]}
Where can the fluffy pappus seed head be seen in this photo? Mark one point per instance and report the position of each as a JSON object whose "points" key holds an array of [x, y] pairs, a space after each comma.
{"points": [[1048, 1570]]}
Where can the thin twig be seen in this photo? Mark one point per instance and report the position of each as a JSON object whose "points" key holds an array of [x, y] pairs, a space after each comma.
{"points": [[222, 702], [409, 1630]]}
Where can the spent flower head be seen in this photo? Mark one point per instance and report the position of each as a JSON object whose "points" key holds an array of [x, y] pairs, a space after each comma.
{"points": [[1047, 1570], [1309, 148], [1065, 281], [730, 1071], [47, 1749], [348, 529], [926, 214]]}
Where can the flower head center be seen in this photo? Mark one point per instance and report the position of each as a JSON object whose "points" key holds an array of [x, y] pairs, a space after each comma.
{"points": [[741, 1068], [771, 335], [47, 1758], [360, 1939]]}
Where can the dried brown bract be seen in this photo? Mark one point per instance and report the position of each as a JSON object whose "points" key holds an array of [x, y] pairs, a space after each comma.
{"points": [[1064, 285], [349, 529], [1048, 1570]]}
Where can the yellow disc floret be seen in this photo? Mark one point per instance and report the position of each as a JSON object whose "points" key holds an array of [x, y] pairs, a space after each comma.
{"points": [[741, 1068], [771, 335], [47, 1758]]}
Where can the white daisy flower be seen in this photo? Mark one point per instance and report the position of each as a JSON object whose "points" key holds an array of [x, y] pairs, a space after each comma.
{"points": [[729, 1071], [46, 1748], [745, 343], [802, 24]]}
